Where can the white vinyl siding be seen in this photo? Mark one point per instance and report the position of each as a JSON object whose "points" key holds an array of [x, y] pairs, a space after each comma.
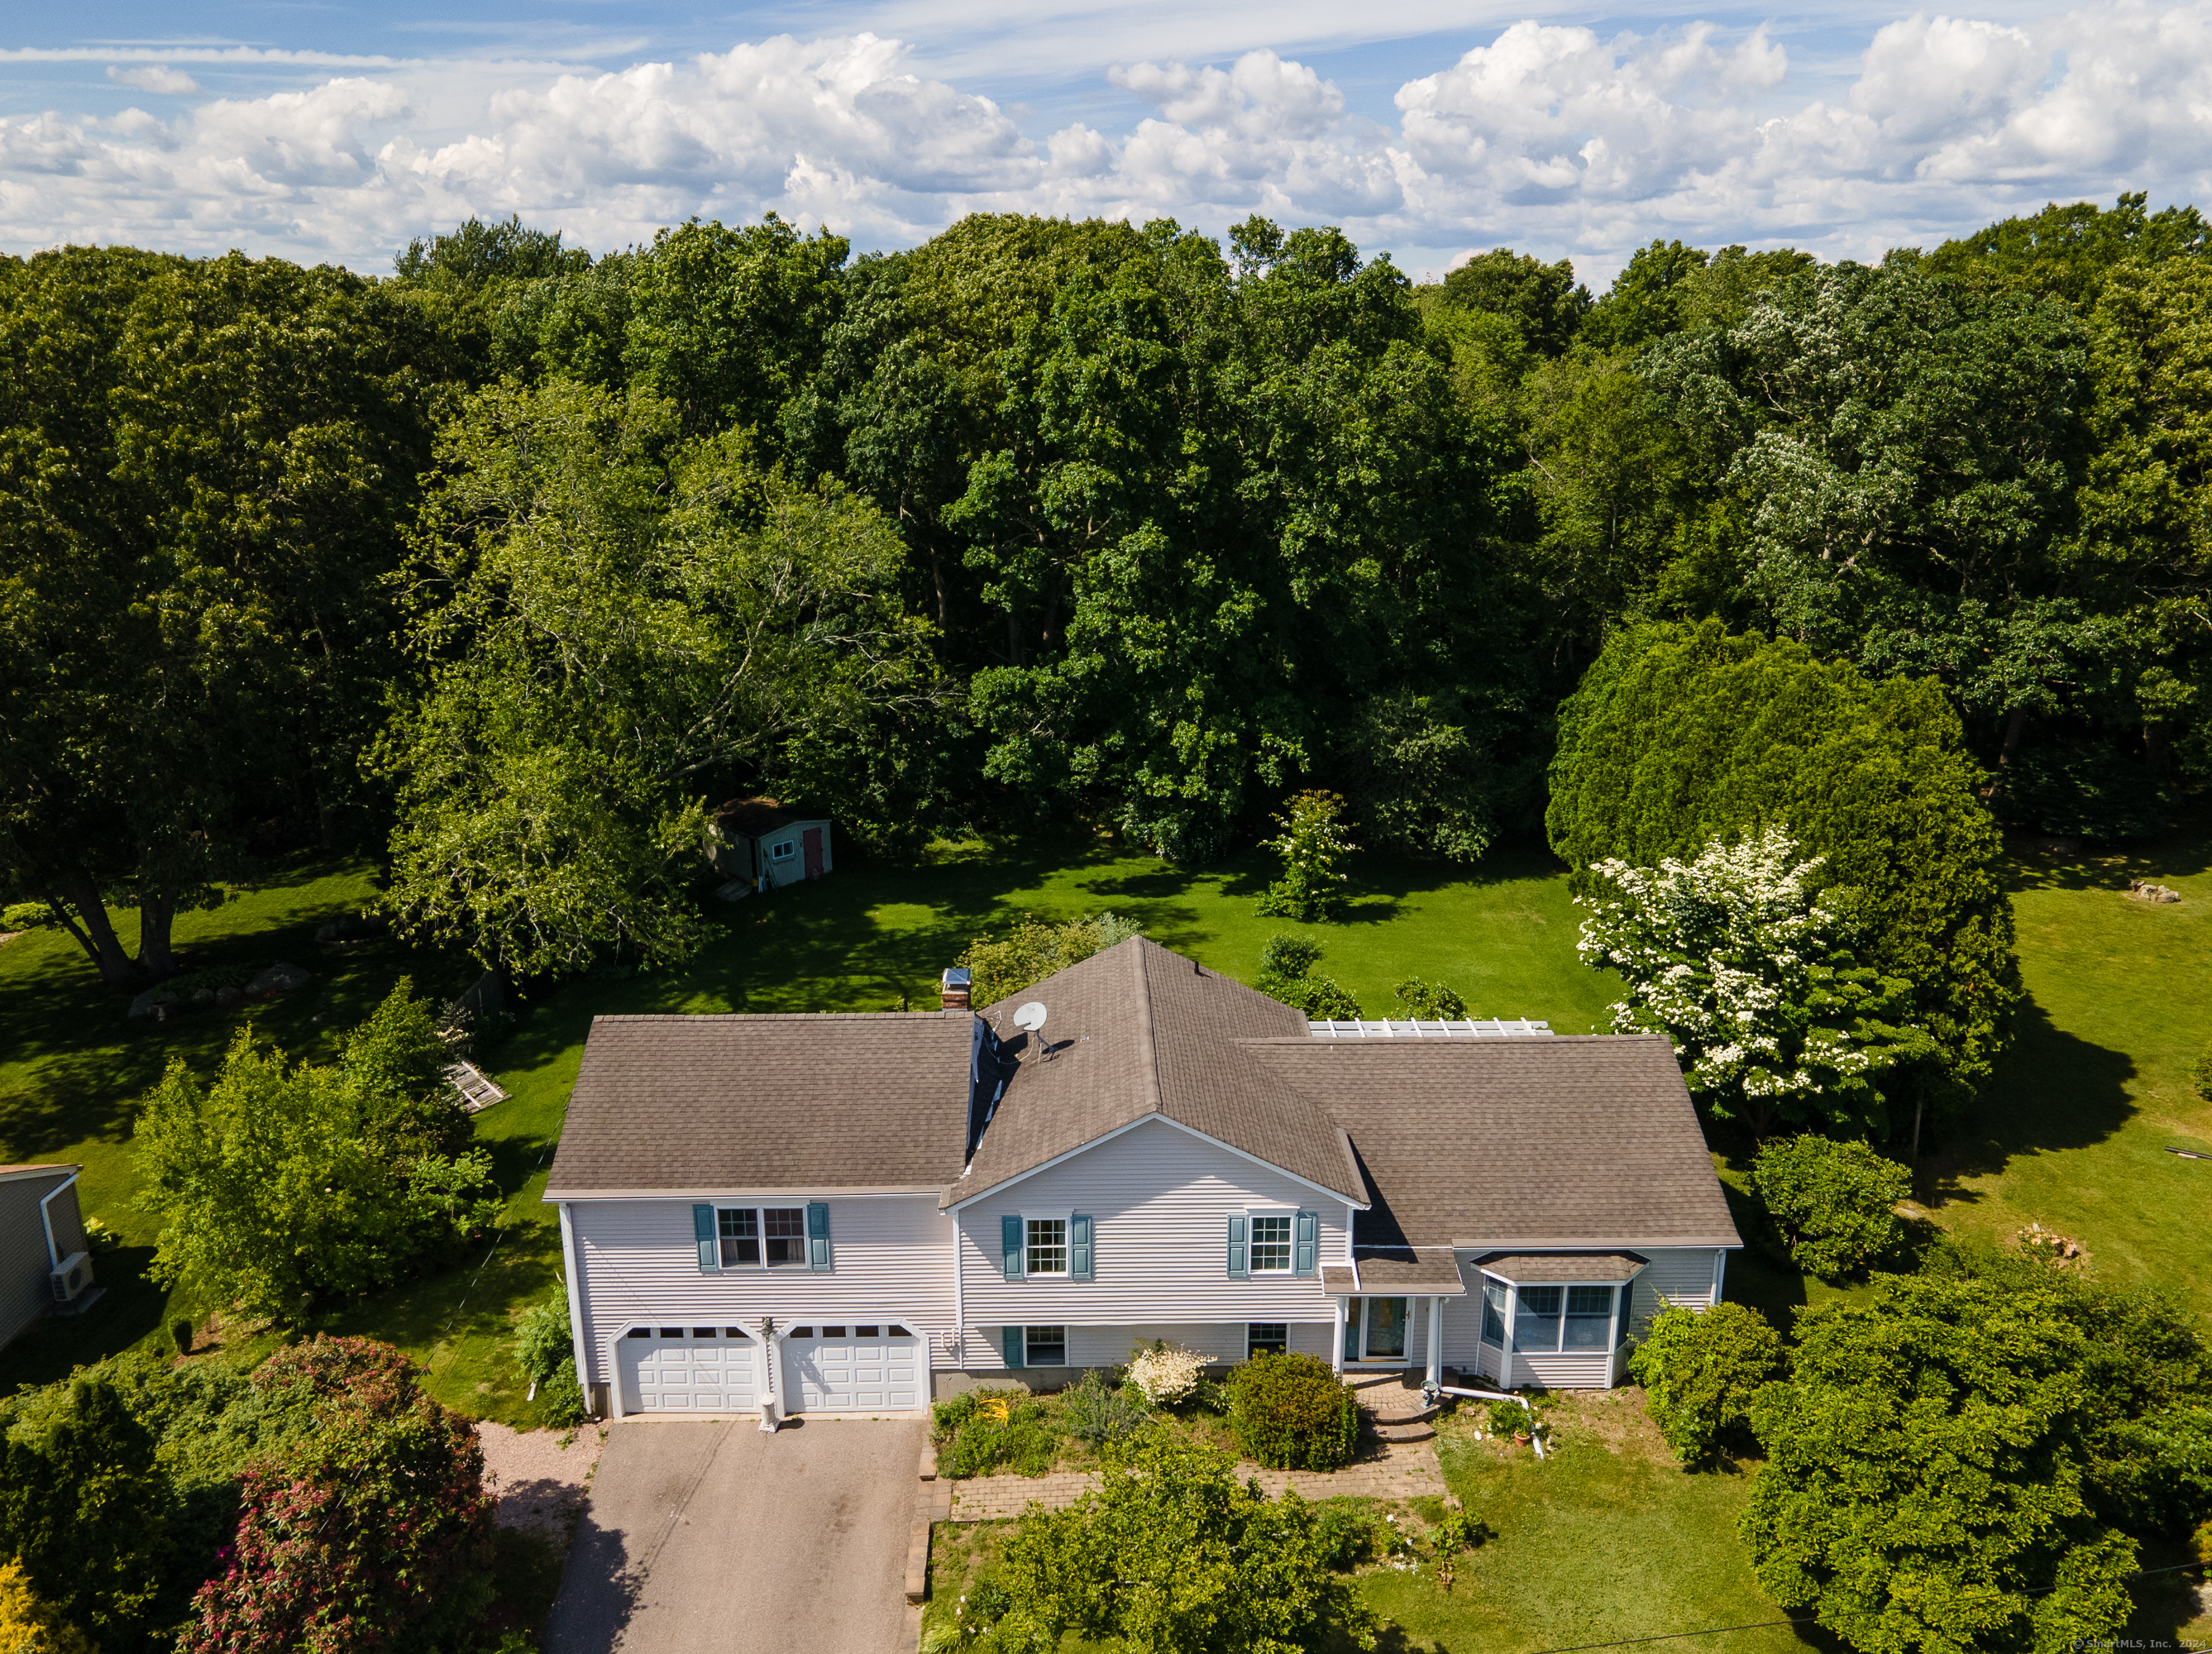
{"points": [[1159, 1202], [1221, 1343], [1683, 1276], [639, 1260]]}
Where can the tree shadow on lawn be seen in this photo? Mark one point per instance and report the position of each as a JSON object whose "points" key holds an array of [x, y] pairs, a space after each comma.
{"points": [[2182, 850], [2053, 1089]]}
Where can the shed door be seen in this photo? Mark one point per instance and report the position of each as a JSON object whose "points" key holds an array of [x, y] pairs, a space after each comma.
{"points": [[811, 842], [689, 1370]]}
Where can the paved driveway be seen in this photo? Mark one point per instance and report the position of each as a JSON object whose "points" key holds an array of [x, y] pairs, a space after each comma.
{"points": [[715, 1538]]}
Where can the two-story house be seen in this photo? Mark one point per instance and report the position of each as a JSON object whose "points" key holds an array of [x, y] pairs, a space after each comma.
{"points": [[860, 1213]]}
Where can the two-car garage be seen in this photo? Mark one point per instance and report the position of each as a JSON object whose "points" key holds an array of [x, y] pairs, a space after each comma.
{"points": [[857, 1367]]}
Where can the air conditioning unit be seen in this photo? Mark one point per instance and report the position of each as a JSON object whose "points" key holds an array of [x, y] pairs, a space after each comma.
{"points": [[72, 1276]]}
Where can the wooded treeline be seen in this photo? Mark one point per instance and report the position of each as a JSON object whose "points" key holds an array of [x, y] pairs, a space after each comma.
{"points": [[514, 560]]}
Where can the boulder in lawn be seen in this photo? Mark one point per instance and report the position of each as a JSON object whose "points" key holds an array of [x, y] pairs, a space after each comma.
{"points": [[279, 978]]}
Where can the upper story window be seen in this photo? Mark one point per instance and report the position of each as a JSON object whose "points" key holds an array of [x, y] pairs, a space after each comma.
{"points": [[1047, 1246], [755, 1234], [1271, 1245]]}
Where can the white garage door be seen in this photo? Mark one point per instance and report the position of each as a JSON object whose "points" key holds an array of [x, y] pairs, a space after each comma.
{"points": [[689, 1370], [863, 1367]]}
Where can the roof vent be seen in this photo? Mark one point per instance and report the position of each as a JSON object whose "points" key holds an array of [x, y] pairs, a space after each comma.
{"points": [[952, 989]]}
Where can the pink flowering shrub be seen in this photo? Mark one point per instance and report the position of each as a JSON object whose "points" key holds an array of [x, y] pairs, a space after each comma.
{"points": [[371, 1533]]}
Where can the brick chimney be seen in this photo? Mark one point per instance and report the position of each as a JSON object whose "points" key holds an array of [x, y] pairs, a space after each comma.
{"points": [[952, 989]]}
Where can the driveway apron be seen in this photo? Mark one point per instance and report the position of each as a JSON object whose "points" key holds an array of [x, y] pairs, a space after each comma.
{"points": [[712, 1538]]}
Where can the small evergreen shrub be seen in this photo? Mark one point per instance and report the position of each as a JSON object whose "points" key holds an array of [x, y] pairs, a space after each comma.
{"points": [[25, 915], [1290, 1412], [2201, 1075], [1700, 1370], [180, 1334], [1348, 1534], [28, 1626], [1834, 1204]]}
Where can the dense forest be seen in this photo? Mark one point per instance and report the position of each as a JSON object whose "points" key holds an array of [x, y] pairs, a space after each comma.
{"points": [[512, 561]]}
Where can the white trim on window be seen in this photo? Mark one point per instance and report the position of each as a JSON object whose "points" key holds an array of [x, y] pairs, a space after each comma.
{"points": [[1256, 1215], [731, 1236], [1030, 1346], [782, 851], [1035, 1247]]}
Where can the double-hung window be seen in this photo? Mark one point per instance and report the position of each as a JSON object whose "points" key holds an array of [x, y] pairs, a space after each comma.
{"points": [[752, 1236], [1047, 1246], [1045, 1347], [1493, 1311], [1271, 1245], [1266, 1338]]}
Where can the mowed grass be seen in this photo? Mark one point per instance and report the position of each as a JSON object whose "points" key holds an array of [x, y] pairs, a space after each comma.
{"points": [[1608, 1539], [2074, 1133]]}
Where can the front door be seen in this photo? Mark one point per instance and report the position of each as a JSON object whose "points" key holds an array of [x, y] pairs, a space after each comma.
{"points": [[1375, 1329], [810, 842], [1386, 1328]]}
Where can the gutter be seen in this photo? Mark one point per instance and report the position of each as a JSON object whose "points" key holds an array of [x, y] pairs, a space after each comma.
{"points": [[46, 1218]]}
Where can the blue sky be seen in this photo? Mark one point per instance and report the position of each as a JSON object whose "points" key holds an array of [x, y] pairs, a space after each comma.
{"points": [[324, 129]]}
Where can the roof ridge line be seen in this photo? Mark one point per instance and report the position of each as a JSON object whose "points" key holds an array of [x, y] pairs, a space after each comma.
{"points": [[1150, 1071]]}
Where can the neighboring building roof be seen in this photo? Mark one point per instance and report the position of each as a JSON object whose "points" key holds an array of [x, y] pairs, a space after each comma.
{"points": [[1137, 1032], [1537, 1141], [9, 1174], [1537, 1267], [750, 818], [673, 1105]]}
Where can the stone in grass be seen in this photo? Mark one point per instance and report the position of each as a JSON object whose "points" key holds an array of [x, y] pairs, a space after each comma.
{"points": [[2143, 890], [279, 978], [155, 1002]]}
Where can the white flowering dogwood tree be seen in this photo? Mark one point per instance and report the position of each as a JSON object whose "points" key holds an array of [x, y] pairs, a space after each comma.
{"points": [[1735, 958]]}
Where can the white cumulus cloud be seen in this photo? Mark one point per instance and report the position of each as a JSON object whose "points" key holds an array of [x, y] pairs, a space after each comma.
{"points": [[1553, 138], [154, 77]]}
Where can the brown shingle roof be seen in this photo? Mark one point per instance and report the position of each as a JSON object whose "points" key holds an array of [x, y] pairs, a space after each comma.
{"points": [[703, 1105], [1538, 1266], [1537, 1140], [1527, 1142], [750, 818], [1138, 1030]]}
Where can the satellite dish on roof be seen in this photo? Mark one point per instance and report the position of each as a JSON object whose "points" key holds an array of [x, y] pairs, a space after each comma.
{"points": [[1030, 1017]]}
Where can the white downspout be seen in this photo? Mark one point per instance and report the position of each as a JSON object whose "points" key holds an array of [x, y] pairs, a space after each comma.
{"points": [[1436, 1341], [959, 1292], [576, 1305], [46, 1217], [1720, 1271], [1336, 1337]]}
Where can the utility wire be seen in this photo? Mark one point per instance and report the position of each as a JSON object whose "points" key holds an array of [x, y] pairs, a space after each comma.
{"points": [[1859, 1613]]}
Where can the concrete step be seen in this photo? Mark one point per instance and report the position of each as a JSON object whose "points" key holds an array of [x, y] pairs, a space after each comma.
{"points": [[1404, 1432]]}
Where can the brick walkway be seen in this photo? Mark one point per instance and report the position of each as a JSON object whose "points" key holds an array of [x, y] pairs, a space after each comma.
{"points": [[1384, 1470]]}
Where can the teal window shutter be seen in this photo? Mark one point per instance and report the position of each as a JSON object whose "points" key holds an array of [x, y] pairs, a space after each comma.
{"points": [[1010, 1244], [817, 1236], [1079, 1248], [1012, 1337], [1308, 1252], [1238, 1268], [702, 1229]]}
